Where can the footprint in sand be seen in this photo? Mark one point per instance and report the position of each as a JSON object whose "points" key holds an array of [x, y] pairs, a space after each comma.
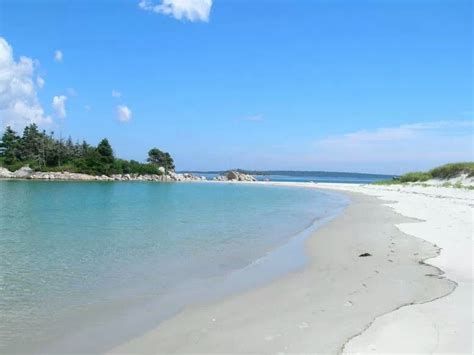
{"points": [[303, 325]]}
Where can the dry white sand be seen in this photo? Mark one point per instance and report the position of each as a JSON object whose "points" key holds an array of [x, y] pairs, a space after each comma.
{"points": [[444, 325], [389, 302]]}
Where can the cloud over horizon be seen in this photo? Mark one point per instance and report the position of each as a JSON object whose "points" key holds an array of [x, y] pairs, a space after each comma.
{"points": [[425, 142], [19, 104], [191, 10]]}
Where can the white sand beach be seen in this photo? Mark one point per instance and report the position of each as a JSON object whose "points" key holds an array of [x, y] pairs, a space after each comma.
{"points": [[236, 177], [444, 325], [413, 294]]}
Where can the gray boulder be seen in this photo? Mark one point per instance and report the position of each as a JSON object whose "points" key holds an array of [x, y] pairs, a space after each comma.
{"points": [[233, 175], [236, 176], [5, 173], [23, 173]]}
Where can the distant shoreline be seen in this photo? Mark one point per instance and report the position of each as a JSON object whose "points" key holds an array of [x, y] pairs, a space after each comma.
{"points": [[26, 173], [310, 173]]}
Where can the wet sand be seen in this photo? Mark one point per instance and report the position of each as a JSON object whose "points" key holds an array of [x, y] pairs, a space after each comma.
{"points": [[325, 306]]}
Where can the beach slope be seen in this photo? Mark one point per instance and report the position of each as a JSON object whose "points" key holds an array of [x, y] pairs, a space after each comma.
{"points": [[446, 324], [332, 303]]}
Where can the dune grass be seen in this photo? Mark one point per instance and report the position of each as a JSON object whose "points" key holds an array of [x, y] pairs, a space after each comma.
{"points": [[452, 170], [443, 172]]}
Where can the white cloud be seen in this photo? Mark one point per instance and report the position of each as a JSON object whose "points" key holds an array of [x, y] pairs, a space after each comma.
{"points": [[405, 147], [58, 56], [116, 93], [253, 118], [88, 108], [19, 104], [59, 106], [192, 10], [40, 82], [124, 114]]}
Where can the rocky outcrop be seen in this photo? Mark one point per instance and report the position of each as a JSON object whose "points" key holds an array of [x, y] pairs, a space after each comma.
{"points": [[23, 173], [170, 177], [27, 173], [5, 173], [234, 175], [67, 176], [185, 177]]}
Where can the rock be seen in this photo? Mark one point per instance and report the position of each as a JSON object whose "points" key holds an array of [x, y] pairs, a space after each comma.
{"points": [[236, 176], [172, 176], [364, 255], [220, 178], [233, 175], [5, 173], [27, 173], [23, 173]]}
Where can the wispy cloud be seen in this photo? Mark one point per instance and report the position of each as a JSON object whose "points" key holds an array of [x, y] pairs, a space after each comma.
{"points": [[40, 82], [58, 56], [253, 118], [401, 133], [116, 94], [124, 114], [191, 10], [424, 142], [59, 106], [19, 104]]}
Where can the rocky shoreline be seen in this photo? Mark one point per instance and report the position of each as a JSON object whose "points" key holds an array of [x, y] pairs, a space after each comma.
{"points": [[234, 176], [29, 174]]}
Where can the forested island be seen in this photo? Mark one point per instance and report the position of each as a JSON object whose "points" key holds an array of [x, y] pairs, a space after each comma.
{"points": [[44, 152]]}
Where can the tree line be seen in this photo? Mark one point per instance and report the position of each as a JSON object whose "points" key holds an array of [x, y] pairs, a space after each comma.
{"points": [[43, 152]]}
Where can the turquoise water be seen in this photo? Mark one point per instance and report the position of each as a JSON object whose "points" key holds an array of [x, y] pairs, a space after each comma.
{"points": [[307, 176], [103, 262]]}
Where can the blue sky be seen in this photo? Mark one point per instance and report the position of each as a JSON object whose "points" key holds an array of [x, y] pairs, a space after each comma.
{"points": [[367, 86]]}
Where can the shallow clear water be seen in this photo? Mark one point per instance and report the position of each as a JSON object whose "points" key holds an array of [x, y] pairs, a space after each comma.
{"points": [[78, 259]]}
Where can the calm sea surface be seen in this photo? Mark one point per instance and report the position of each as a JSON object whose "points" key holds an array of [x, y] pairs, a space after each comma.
{"points": [[314, 176], [85, 266]]}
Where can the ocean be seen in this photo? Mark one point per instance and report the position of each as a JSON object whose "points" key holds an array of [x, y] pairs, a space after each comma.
{"points": [[307, 176], [88, 265]]}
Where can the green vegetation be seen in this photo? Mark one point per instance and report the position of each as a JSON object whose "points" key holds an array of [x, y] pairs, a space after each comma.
{"points": [[451, 170], [416, 176], [43, 152], [446, 171], [159, 158]]}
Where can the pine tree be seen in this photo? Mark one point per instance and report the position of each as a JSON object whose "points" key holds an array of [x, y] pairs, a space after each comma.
{"points": [[9, 146]]}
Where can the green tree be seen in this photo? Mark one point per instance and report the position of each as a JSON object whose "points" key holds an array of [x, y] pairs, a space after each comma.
{"points": [[44, 152], [9, 146], [105, 150], [31, 147], [169, 162], [160, 159]]}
